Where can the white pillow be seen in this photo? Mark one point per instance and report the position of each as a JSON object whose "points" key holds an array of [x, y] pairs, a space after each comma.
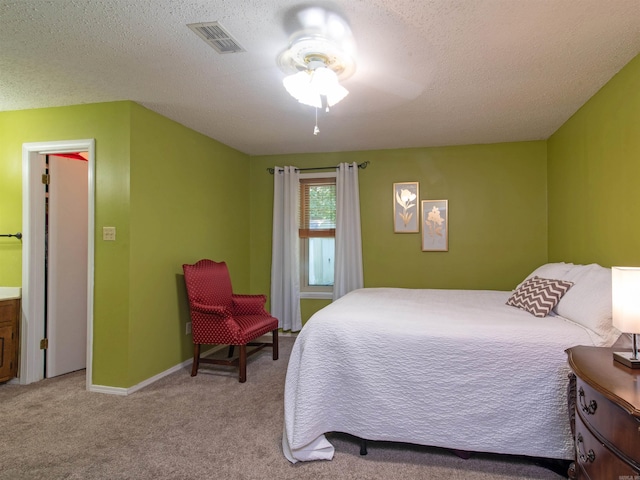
{"points": [[556, 271], [588, 302]]}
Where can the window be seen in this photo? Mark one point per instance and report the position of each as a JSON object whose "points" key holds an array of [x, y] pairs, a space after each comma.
{"points": [[317, 230]]}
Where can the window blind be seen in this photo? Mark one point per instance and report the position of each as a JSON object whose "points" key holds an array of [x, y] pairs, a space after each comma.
{"points": [[317, 207]]}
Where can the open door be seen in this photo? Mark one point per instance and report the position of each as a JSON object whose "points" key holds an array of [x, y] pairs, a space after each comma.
{"points": [[66, 264]]}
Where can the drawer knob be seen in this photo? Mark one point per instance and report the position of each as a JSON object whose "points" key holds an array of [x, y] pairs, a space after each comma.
{"points": [[588, 409], [590, 455]]}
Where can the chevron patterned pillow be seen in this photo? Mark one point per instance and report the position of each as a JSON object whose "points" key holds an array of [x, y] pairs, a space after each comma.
{"points": [[539, 295]]}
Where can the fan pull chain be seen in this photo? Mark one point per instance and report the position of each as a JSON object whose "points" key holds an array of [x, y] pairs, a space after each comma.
{"points": [[316, 130]]}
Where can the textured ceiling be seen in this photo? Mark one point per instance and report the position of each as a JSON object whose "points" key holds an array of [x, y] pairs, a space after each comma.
{"points": [[439, 72]]}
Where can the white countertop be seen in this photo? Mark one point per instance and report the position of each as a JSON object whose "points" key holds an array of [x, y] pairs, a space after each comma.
{"points": [[9, 293]]}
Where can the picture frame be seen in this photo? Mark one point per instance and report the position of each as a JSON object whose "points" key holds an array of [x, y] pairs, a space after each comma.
{"points": [[406, 214], [435, 225]]}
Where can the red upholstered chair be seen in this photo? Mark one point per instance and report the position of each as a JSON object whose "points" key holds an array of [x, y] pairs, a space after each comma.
{"points": [[218, 316]]}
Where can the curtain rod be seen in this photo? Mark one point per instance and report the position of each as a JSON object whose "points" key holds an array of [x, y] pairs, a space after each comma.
{"points": [[362, 165]]}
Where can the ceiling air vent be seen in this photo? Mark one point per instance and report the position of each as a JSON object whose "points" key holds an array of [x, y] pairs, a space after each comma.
{"points": [[216, 36]]}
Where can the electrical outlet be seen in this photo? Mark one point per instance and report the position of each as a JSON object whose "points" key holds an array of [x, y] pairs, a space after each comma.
{"points": [[188, 328]]}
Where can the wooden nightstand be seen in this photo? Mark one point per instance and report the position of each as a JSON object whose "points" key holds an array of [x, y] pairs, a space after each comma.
{"points": [[606, 400]]}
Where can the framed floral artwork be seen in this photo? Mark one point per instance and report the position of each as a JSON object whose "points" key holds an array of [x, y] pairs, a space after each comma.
{"points": [[435, 226], [406, 196]]}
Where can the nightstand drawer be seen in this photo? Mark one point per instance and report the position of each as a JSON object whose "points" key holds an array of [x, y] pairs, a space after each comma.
{"points": [[596, 460], [614, 424]]}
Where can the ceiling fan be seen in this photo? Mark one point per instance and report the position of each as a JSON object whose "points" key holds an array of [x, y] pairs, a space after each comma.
{"points": [[322, 53]]}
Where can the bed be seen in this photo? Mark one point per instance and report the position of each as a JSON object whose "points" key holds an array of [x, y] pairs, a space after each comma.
{"points": [[458, 369]]}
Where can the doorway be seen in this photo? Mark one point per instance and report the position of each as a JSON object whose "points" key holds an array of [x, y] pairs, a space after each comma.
{"points": [[34, 285], [65, 263]]}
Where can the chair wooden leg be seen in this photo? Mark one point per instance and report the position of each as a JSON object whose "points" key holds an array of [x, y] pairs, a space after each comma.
{"points": [[196, 359], [230, 351], [275, 344], [242, 362]]}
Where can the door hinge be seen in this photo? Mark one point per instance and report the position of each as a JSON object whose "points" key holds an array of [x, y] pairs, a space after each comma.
{"points": [[45, 178], [44, 344]]}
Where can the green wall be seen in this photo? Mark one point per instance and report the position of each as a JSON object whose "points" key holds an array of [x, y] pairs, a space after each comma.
{"points": [[10, 203], [169, 192], [185, 205], [594, 177], [109, 124], [497, 215]]}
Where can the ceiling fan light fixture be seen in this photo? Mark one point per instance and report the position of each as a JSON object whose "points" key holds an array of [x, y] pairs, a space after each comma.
{"points": [[320, 54], [309, 86], [299, 87], [336, 94], [323, 80]]}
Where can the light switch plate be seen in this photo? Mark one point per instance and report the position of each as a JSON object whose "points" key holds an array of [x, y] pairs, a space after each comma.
{"points": [[109, 233]]}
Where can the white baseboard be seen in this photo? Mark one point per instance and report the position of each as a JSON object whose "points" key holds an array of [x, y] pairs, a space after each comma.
{"points": [[110, 390], [128, 391]]}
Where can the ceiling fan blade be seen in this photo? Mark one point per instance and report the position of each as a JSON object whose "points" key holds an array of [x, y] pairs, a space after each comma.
{"points": [[388, 83]]}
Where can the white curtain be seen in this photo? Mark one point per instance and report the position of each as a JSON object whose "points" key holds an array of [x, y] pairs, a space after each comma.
{"points": [[285, 280], [348, 264]]}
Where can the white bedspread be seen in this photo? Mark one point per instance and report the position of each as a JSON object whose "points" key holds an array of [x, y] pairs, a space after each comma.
{"points": [[449, 368]]}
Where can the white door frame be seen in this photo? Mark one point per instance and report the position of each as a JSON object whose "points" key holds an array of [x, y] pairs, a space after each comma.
{"points": [[32, 326]]}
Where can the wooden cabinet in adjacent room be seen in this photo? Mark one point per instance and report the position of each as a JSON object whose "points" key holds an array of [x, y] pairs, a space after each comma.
{"points": [[9, 339]]}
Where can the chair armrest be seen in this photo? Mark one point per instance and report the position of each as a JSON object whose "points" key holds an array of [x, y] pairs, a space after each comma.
{"points": [[249, 304], [218, 310]]}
